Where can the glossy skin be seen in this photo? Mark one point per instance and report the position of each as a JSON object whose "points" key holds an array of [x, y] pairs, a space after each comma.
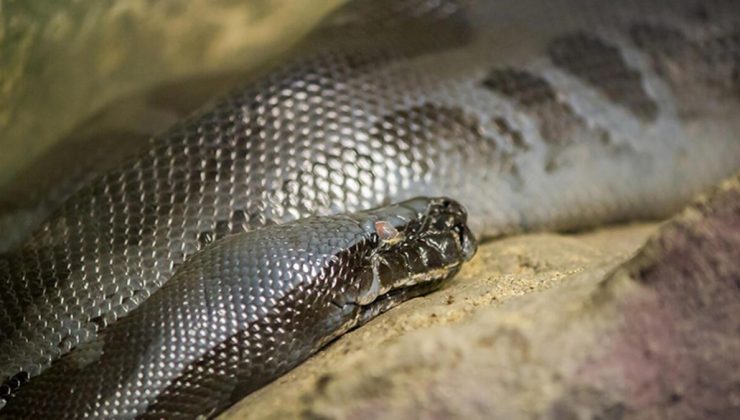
{"points": [[250, 307], [560, 115]]}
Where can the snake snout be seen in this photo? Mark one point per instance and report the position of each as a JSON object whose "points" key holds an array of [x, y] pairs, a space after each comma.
{"points": [[450, 216]]}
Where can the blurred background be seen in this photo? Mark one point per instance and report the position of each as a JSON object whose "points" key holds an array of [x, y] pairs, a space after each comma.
{"points": [[83, 83]]}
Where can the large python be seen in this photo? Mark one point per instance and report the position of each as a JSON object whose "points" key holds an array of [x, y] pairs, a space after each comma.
{"points": [[534, 115]]}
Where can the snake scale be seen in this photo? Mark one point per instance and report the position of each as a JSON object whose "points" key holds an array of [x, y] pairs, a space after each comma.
{"points": [[533, 115]]}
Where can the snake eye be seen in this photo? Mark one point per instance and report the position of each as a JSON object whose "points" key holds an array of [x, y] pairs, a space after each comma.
{"points": [[387, 233]]}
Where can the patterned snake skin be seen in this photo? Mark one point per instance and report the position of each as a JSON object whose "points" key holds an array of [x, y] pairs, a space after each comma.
{"points": [[250, 307], [534, 115]]}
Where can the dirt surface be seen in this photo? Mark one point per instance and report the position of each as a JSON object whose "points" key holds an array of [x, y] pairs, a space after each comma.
{"points": [[585, 326]]}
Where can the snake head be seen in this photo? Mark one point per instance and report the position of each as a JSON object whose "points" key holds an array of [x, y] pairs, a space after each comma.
{"points": [[414, 246]]}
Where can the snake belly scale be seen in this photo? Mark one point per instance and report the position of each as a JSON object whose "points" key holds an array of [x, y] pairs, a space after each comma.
{"points": [[533, 115]]}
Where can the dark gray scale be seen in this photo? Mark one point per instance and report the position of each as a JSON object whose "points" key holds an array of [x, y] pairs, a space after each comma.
{"points": [[249, 308], [602, 66]]}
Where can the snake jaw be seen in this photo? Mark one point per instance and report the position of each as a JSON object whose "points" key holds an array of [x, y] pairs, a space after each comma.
{"points": [[374, 290]]}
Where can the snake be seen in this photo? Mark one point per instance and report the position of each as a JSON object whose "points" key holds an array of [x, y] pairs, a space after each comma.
{"points": [[239, 242]]}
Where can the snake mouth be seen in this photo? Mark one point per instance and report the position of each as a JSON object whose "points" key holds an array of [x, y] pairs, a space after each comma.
{"points": [[397, 296], [416, 254]]}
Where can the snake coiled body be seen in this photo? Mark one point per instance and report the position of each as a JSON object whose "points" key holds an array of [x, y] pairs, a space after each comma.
{"points": [[533, 116], [250, 307]]}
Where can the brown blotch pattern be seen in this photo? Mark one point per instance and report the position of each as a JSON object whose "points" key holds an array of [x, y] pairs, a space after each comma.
{"points": [[559, 125], [417, 125], [431, 130], [602, 66], [557, 119], [693, 66], [527, 89], [509, 133]]}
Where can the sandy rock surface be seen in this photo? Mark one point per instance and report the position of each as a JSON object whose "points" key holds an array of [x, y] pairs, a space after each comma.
{"points": [[591, 325]]}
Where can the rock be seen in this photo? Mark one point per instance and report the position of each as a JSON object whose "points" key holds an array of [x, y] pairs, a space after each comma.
{"points": [[549, 326]]}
